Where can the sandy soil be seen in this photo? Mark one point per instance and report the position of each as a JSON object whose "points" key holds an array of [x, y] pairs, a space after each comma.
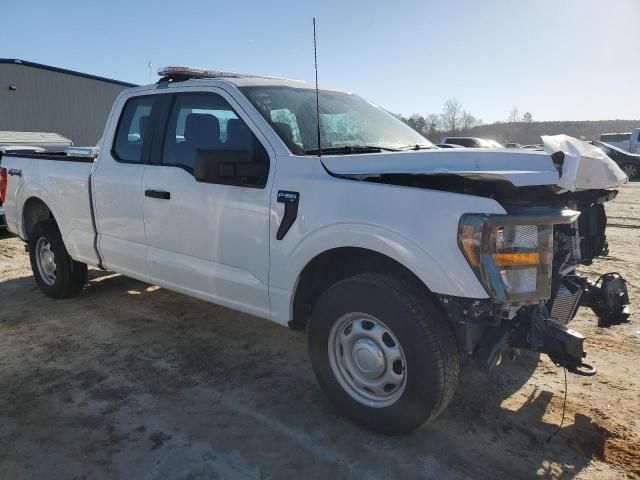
{"points": [[132, 381]]}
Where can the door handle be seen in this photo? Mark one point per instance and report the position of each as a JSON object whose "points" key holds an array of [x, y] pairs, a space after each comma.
{"points": [[157, 194]]}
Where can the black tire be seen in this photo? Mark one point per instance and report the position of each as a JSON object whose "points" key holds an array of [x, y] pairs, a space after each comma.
{"points": [[70, 276], [425, 336], [630, 169]]}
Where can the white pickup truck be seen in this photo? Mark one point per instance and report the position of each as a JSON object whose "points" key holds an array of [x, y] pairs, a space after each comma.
{"points": [[398, 258]]}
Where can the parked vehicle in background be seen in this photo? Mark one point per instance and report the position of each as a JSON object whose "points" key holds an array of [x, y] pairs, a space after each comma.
{"points": [[628, 162], [448, 145], [472, 142], [512, 145], [396, 257], [629, 142], [534, 146]]}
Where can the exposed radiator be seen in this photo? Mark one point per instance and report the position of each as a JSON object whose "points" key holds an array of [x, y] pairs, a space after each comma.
{"points": [[565, 301]]}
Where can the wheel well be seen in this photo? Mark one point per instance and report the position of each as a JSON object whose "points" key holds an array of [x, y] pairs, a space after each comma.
{"points": [[337, 264], [34, 211]]}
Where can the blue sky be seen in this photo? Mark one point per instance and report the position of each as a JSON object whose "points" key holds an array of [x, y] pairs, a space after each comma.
{"points": [[559, 59]]}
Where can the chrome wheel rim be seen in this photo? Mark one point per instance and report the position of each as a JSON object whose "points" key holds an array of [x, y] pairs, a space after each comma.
{"points": [[367, 360], [630, 171], [46, 262]]}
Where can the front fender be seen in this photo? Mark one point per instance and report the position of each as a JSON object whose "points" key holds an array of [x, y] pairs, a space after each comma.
{"points": [[439, 275], [417, 228]]}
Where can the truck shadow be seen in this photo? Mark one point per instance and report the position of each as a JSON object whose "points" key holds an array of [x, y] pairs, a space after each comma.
{"points": [[213, 371], [526, 428]]}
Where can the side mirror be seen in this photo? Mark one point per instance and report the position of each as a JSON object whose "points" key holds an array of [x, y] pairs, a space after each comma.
{"points": [[231, 167]]}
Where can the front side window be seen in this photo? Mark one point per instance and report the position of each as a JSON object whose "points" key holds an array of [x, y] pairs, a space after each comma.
{"points": [[346, 120], [132, 128], [205, 126]]}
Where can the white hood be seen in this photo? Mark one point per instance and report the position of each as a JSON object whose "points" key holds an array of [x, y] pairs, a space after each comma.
{"points": [[519, 167]]}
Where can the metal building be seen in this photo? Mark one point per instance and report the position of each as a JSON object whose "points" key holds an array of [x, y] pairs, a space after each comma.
{"points": [[40, 98]]}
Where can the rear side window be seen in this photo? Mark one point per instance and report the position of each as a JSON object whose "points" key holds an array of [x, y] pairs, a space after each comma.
{"points": [[131, 134]]}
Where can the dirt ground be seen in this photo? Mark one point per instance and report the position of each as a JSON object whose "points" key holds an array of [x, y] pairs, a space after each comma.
{"points": [[132, 381]]}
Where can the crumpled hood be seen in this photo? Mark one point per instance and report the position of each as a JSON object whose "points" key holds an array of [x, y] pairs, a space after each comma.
{"points": [[582, 167]]}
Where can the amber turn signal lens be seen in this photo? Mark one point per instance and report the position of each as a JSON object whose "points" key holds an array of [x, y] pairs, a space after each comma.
{"points": [[470, 250], [520, 259]]}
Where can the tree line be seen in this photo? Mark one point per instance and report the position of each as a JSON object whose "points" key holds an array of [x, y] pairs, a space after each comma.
{"points": [[527, 132], [454, 120]]}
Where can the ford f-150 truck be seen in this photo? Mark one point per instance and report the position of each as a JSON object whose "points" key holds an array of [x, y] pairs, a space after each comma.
{"points": [[316, 209]]}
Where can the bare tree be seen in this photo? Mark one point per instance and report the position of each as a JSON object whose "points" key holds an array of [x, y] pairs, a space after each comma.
{"points": [[514, 115], [451, 115], [467, 122]]}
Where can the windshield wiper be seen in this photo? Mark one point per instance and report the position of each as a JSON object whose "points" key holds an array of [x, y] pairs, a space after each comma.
{"points": [[351, 149], [417, 147]]}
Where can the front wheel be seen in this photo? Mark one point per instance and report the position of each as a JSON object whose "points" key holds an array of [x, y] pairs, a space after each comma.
{"points": [[383, 352], [56, 273]]}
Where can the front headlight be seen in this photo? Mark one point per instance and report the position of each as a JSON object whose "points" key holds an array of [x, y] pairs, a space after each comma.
{"points": [[512, 255]]}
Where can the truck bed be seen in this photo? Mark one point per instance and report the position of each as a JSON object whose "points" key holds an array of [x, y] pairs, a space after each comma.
{"points": [[62, 182]]}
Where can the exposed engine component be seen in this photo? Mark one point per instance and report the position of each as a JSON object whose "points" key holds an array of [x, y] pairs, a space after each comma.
{"points": [[609, 299], [592, 224]]}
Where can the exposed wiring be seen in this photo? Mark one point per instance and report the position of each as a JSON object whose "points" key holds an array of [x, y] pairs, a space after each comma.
{"points": [[566, 388], [564, 407]]}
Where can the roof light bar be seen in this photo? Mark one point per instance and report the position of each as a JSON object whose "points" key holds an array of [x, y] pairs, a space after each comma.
{"points": [[179, 72]]}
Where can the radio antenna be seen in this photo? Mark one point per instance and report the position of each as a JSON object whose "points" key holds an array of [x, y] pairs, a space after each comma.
{"points": [[315, 58]]}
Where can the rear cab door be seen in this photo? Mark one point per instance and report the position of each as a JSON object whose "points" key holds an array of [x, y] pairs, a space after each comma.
{"points": [[117, 185]]}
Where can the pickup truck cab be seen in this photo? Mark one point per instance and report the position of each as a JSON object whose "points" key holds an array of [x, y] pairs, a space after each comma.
{"points": [[398, 259], [629, 142]]}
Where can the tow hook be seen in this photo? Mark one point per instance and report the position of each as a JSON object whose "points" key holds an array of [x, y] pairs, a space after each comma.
{"points": [[609, 299], [564, 346]]}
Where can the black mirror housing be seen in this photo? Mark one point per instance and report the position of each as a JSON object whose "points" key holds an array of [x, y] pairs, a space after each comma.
{"points": [[232, 167]]}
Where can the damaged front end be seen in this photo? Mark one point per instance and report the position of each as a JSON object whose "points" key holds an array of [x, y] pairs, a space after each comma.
{"points": [[527, 261], [527, 258]]}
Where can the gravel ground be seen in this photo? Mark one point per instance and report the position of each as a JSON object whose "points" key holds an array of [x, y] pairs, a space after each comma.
{"points": [[132, 381]]}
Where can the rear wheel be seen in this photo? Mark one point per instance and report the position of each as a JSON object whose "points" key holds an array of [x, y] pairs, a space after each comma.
{"points": [[56, 273], [383, 353], [630, 170]]}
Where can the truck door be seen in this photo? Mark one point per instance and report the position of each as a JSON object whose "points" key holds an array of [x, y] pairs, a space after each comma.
{"points": [[209, 238], [117, 188]]}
